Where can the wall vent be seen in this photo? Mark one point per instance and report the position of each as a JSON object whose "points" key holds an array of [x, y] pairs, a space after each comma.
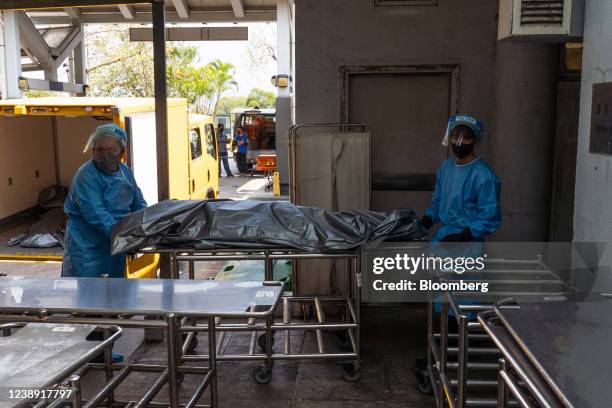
{"points": [[541, 20], [542, 12]]}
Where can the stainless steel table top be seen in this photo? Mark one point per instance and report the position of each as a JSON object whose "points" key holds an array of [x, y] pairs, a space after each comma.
{"points": [[571, 344], [154, 297]]}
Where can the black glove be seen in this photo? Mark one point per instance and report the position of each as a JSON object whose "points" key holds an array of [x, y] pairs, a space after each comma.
{"points": [[427, 222], [463, 236]]}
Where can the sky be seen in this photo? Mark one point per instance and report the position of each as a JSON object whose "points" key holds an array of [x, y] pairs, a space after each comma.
{"points": [[235, 52], [247, 74]]}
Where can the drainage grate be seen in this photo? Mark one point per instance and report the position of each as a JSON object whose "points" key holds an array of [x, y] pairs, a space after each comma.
{"points": [[542, 12]]}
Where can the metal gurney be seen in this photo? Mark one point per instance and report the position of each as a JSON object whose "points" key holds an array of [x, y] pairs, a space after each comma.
{"points": [[346, 324], [112, 301], [44, 357], [555, 354]]}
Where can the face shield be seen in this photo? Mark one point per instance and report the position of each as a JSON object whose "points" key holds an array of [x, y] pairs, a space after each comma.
{"points": [[468, 121]]}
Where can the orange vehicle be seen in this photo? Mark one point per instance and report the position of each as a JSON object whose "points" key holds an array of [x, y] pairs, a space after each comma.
{"points": [[260, 125]]}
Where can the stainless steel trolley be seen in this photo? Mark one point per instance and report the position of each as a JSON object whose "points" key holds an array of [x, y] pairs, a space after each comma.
{"points": [[555, 354], [346, 326], [114, 302], [462, 362], [39, 361]]}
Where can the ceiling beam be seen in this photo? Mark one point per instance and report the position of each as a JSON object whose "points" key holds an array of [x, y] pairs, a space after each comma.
{"points": [[193, 34], [68, 45], [182, 8], [74, 14], [37, 4], [34, 42], [127, 11], [66, 42], [171, 17], [238, 7]]}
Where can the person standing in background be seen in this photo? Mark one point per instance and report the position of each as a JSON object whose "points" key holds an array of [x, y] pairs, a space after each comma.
{"points": [[242, 141], [222, 141]]}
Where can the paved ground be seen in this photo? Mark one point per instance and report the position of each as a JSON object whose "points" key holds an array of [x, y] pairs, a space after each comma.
{"points": [[392, 339]]}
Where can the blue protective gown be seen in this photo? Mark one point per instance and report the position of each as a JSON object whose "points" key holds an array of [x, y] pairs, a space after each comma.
{"points": [[96, 202], [465, 196]]}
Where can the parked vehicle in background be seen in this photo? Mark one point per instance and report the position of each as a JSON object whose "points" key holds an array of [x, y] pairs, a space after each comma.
{"points": [[260, 125]]}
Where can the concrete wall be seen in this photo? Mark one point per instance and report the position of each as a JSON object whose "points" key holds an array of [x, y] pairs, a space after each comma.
{"points": [[335, 33], [593, 202], [331, 34]]}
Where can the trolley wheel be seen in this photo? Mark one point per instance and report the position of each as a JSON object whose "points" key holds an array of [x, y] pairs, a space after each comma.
{"points": [[192, 344], [262, 374], [423, 380], [261, 340], [343, 341], [351, 372]]}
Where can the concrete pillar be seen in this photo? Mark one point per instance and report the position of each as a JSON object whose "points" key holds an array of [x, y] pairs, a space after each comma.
{"points": [[284, 116], [522, 142], [593, 196], [80, 64], [11, 56]]}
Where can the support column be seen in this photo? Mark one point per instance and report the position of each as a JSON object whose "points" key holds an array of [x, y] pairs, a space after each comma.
{"points": [[11, 56], [593, 195], [284, 116], [80, 65], [161, 114]]}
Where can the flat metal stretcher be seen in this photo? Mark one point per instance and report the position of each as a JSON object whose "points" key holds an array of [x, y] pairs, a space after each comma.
{"points": [[555, 354], [43, 356], [113, 301]]}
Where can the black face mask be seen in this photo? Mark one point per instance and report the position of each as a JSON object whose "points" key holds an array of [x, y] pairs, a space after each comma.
{"points": [[462, 150], [107, 162]]}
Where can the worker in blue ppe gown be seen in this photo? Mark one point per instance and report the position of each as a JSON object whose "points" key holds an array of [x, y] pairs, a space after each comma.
{"points": [[466, 204], [466, 196], [103, 191]]}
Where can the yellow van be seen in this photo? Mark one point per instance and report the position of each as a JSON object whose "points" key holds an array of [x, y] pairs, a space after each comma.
{"points": [[42, 141]]}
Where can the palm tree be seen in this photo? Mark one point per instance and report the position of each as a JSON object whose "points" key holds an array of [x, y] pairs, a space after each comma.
{"points": [[221, 78]]}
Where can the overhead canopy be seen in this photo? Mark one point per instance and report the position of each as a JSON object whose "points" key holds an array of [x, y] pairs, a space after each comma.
{"points": [[177, 11]]}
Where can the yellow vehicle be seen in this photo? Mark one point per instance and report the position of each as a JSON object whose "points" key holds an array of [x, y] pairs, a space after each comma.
{"points": [[42, 141]]}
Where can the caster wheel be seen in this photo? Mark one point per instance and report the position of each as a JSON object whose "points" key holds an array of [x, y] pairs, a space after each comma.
{"points": [[423, 381], [343, 341], [262, 374], [351, 372], [192, 344], [261, 341]]}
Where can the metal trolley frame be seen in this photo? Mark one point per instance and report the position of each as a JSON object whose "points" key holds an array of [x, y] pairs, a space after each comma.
{"points": [[173, 325], [451, 380], [348, 324], [67, 378]]}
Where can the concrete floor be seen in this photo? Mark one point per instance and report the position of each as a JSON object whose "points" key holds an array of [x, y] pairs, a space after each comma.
{"points": [[392, 339]]}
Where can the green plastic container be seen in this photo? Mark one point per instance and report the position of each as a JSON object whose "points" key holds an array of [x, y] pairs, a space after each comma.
{"points": [[254, 271]]}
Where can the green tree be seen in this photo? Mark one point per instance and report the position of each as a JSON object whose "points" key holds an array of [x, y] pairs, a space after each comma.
{"points": [[261, 98], [229, 103], [221, 78], [119, 67]]}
